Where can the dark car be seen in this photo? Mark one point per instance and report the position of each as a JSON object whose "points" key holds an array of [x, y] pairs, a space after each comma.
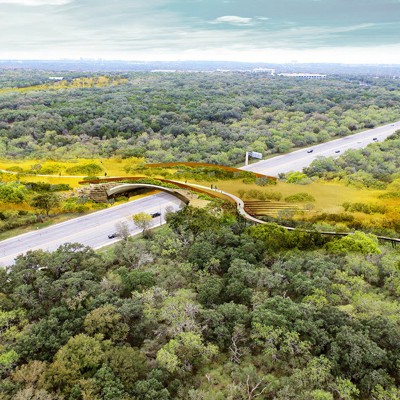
{"points": [[375, 138], [112, 235], [310, 151], [337, 151], [155, 215]]}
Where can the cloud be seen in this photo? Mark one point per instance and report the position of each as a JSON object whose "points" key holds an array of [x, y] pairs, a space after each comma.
{"points": [[168, 29], [37, 2], [233, 19]]}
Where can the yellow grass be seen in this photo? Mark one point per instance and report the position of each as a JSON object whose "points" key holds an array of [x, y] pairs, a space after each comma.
{"points": [[83, 82], [329, 196], [111, 166], [199, 203]]}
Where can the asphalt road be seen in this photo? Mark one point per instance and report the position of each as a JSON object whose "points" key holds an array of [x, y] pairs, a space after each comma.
{"points": [[93, 229], [90, 230], [299, 159]]}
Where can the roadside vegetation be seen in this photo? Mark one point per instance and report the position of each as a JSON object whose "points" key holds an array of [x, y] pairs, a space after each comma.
{"points": [[297, 199], [375, 169]]}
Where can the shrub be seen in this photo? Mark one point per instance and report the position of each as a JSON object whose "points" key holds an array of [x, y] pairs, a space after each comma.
{"points": [[265, 181], [15, 220], [365, 208], [12, 193], [241, 193], [51, 169], [15, 168], [301, 197], [296, 177], [273, 196], [254, 194], [46, 187], [390, 195], [59, 187], [38, 186], [74, 204], [84, 169], [358, 242], [276, 238], [122, 199], [342, 217]]}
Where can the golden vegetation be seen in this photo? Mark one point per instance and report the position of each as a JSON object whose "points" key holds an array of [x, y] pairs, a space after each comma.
{"points": [[329, 196], [76, 83]]}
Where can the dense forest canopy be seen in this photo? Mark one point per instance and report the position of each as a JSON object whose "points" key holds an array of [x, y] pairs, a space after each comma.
{"points": [[207, 308], [208, 117]]}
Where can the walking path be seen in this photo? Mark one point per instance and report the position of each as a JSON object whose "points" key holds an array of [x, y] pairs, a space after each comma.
{"points": [[240, 207]]}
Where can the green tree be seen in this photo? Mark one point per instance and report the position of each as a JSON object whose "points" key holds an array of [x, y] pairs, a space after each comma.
{"points": [[185, 352], [12, 192], [108, 322], [8, 358], [80, 358], [143, 221], [46, 202], [295, 177], [151, 388], [345, 389], [273, 236], [122, 229], [358, 242], [127, 363]]}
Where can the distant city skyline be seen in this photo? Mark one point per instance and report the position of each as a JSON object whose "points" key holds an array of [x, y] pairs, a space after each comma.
{"points": [[323, 31]]}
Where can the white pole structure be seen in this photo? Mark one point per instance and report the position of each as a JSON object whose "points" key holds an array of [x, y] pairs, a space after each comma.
{"points": [[253, 154]]}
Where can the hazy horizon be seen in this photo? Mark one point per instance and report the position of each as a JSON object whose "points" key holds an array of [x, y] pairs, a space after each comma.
{"points": [[303, 31], [194, 60]]}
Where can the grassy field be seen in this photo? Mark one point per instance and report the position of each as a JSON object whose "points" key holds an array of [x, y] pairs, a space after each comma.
{"points": [[111, 167], [99, 81], [329, 196]]}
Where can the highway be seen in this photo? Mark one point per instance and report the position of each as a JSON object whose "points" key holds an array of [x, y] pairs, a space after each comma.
{"points": [[93, 229], [90, 230], [299, 159]]}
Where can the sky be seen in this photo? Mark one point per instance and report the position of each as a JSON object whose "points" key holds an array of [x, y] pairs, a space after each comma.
{"points": [[271, 31]]}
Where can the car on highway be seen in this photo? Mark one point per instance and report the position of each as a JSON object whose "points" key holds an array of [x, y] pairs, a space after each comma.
{"points": [[112, 235], [337, 151], [375, 139], [310, 151], [155, 215]]}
